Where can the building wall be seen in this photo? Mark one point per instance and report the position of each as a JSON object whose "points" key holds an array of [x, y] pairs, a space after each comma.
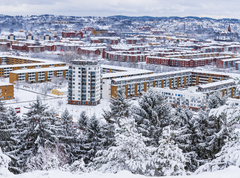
{"points": [[172, 82], [84, 84], [106, 89], [7, 92], [13, 78]]}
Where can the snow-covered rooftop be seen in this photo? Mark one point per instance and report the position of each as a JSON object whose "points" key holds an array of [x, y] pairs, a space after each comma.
{"points": [[223, 82], [39, 70]]}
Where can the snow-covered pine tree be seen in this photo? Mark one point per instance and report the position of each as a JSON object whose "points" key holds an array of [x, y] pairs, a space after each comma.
{"points": [[130, 152], [216, 100], [185, 135], [205, 128], [37, 132], [4, 161], [152, 115], [214, 128], [94, 139], [48, 158], [228, 156], [8, 131], [119, 107], [83, 122], [67, 124], [68, 136], [181, 116], [167, 158]]}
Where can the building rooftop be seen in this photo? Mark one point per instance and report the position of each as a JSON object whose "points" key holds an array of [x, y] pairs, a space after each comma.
{"points": [[223, 82], [5, 83], [39, 70]]}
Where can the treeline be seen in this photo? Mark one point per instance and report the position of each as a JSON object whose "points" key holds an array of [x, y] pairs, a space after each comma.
{"points": [[151, 139]]}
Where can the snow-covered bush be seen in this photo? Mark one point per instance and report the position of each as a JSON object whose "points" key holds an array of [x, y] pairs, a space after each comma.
{"points": [[47, 159], [77, 167]]}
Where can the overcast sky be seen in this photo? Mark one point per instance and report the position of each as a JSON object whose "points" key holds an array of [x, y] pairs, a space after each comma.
{"points": [[157, 8]]}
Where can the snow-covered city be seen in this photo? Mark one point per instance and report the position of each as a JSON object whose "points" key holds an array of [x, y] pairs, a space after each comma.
{"points": [[105, 95]]}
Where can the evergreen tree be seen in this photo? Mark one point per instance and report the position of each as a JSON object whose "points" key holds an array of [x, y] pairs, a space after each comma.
{"points": [[205, 129], [94, 139], [36, 132], [130, 152], [119, 107], [186, 136], [228, 156], [213, 131], [83, 122], [181, 116], [67, 124], [4, 161], [8, 131], [152, 115], [49, 157], [167, 158], [67, 136], [216, 100]]}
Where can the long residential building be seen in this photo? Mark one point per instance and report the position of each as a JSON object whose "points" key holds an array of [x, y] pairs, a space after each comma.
{"points": [[206, 83], [12, 63], [38, 74], [189, 60]]}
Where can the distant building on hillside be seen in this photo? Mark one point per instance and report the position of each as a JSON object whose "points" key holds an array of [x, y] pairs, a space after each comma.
{"points": [[73, 34], [98, 32], [229, 29], [29, 37]]}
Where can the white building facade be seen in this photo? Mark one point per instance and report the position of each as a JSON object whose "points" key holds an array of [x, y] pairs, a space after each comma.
{"points": [[84, 85]]}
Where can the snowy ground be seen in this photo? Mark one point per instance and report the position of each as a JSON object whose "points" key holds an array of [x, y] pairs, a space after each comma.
{"points": [[231, 172], [23, 96]]}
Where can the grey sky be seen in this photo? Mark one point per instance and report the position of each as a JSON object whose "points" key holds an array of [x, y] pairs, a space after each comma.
{"points": [[202, 8]]}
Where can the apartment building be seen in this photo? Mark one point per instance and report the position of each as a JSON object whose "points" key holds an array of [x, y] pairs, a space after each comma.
{"points": [[6, 91], [18, 63], [84, 87], [37, 75], [136, 85], [96, 32], [123, 57], [189, 60], [110, 40], [110, 73], [226, 63], [184, 96], [195, 97]]}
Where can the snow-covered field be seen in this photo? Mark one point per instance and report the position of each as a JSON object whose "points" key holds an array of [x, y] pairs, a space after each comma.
{"points": [[57, 103], [231, 172], [23, 96]]}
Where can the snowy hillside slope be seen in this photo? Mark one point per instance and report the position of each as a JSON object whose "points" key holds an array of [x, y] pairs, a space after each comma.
{"points": [[231, 172]]}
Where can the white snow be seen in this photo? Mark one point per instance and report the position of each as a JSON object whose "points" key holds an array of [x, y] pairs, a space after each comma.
{"points": [[231, 172]]}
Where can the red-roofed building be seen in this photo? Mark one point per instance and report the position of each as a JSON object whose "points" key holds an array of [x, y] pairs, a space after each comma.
{"points": [[72, 34]]}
